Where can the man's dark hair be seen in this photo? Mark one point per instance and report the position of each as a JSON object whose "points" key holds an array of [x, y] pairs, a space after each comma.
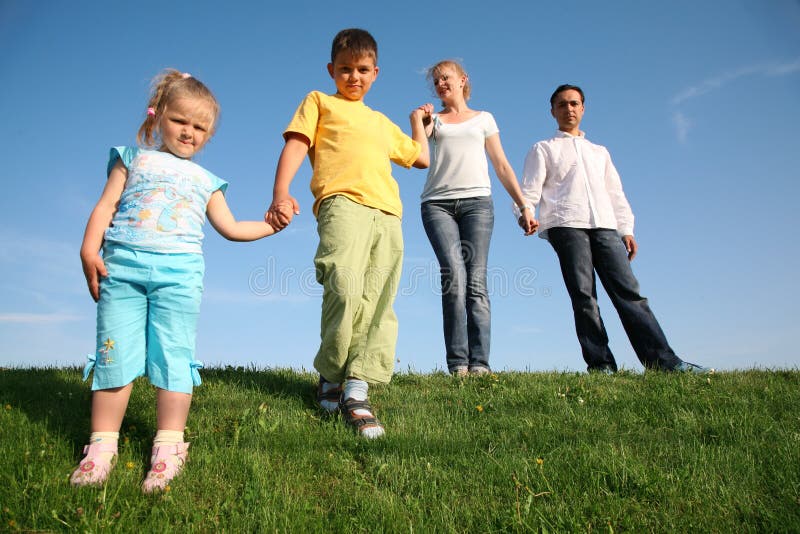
{"points": [[565, 87], [355, 41]]}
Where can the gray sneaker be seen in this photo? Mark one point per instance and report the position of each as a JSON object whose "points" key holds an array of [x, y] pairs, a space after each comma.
{"points": [[459, 372], [686, 367]]}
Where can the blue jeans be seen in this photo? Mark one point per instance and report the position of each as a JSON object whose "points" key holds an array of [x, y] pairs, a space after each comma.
{"points": [[460, 231], [582, 252]]}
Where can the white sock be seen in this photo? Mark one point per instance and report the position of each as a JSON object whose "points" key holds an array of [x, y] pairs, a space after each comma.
{"points": [[357, 389], [168, 437], [330, 406], [101, 437], [104, 437]]}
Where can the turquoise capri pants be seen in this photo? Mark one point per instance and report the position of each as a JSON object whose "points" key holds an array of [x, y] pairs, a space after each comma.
{"points": [[147, 320]]}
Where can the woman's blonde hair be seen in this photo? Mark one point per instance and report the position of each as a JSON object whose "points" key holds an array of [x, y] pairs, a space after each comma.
{"points": [[168, 85], [434, 71]]}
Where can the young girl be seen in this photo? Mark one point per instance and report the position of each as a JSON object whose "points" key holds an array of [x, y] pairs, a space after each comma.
{"points": [[148, 281], [458, 213]]}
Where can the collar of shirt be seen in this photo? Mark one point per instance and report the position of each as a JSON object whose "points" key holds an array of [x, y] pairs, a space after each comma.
{"points": [[559, 133]]}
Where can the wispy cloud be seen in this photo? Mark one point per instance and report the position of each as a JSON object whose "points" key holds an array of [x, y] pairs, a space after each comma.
{"points": [[38, 318], [683, 124], [773, 68]]}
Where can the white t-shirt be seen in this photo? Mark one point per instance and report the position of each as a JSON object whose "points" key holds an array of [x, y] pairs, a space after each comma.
{"points": [[459, 168]]}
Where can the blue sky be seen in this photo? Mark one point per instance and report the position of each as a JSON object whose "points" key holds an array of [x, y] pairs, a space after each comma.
{"points": [[697, 102]]}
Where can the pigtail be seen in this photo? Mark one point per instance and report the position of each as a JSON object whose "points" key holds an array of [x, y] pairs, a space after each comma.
{"points": [[167, 85]]}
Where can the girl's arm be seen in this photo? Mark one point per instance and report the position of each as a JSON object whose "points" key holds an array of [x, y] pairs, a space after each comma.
{"points": [[99, 221], [223, 221], [507, 177]]}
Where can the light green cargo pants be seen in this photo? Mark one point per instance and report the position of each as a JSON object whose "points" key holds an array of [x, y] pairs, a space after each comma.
{"points": [[358, 263]]}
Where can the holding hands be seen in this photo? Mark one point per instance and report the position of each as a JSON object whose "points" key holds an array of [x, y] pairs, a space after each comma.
{"points": [[423, 113], [527, 221], [281, 212]]}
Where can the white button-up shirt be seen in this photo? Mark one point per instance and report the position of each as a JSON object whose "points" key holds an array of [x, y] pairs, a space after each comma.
{"points": [[574, 184]]}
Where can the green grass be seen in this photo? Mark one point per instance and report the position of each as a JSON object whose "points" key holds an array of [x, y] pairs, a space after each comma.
{"points": [[512, 452]]}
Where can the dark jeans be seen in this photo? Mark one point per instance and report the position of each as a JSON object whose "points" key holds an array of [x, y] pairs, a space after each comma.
{"points": [[581, 253], [460, 231]]}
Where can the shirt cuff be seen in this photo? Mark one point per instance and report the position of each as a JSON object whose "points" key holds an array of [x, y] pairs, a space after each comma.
{"points": [[518, 211]]}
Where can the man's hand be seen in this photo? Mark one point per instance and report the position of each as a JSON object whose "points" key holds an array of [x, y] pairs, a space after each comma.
{"points": [[630, 246], [527, 222]]}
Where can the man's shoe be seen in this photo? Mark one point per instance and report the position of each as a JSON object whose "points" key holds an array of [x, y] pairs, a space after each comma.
{"points": [[604, 370], [687, 367], [459, 372]]}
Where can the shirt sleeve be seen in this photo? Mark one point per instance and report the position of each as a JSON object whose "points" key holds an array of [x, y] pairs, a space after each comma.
{"points": [[126, 154], [534, 173], [306, 118], [622, 209], [217, 183], [404, 150], [489, 125]]}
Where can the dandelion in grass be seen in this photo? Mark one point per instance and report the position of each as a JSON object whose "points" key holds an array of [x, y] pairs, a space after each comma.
{"points": [[479, 408], [130, 465], [540, 461]]}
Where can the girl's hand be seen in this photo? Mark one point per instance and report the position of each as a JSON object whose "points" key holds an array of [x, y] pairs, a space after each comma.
{"points": [[93, 270]]}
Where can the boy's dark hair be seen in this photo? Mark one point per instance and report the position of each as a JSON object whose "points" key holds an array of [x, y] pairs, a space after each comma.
{"points": [[565, 87], [355, 41]]}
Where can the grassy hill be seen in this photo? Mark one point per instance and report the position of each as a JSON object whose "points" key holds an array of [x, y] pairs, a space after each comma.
{"points": [[511, 452]]}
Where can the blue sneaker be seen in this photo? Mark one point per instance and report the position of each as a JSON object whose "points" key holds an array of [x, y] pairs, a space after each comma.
{"points": [[686, 367]]}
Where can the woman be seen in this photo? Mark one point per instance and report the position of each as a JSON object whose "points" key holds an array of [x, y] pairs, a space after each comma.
{"points": [[458, 214]]}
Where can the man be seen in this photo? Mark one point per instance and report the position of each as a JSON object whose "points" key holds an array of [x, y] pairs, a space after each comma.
{"points": [[582, 213]]}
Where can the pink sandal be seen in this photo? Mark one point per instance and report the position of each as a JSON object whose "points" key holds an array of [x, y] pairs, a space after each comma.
{"points": [[165, 464], [94, 469]]}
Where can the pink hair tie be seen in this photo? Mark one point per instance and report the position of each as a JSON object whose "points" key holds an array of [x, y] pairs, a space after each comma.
{"points": [[186, 75], [151, 112]]}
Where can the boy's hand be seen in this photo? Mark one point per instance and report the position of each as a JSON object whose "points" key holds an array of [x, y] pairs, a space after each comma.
{"points": [[528, 223], [93, 269], [423, 113], [281, 212]]}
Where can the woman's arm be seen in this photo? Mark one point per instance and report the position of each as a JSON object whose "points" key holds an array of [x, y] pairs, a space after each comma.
{"points": [[505, 173]]}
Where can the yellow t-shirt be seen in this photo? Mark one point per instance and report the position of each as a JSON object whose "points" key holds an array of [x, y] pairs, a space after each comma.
{"points": [[352, 147]]}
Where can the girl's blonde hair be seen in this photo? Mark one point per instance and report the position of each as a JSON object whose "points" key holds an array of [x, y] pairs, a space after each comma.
{"points": [[455, 65], [168, 85]]}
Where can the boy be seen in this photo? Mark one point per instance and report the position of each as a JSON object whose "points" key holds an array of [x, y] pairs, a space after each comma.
{"points": [[358, 210]]}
